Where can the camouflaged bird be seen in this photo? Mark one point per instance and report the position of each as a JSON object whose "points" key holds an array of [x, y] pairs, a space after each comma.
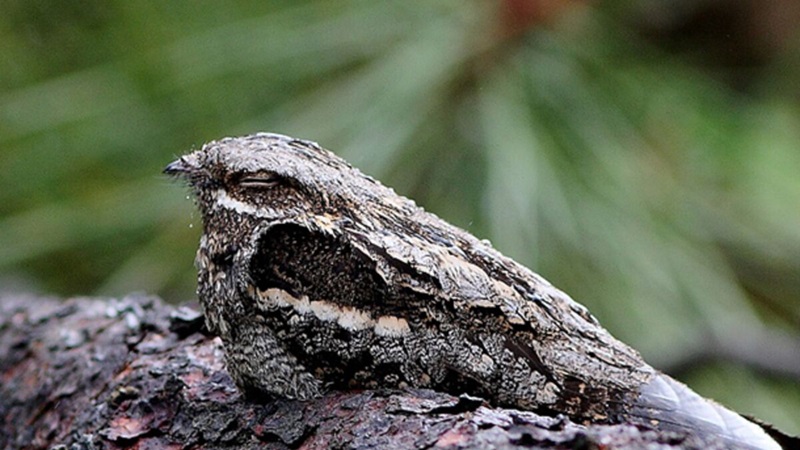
{"points": [[318, 277]]}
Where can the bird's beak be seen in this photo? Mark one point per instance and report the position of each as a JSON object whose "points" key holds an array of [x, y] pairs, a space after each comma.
{"points": [[183, 166]]}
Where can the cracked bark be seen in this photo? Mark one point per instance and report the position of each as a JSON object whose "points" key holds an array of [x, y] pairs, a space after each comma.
{"points": [[133, 372]]}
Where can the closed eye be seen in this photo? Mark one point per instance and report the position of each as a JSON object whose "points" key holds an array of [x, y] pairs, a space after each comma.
{"points": [[261, 181]]}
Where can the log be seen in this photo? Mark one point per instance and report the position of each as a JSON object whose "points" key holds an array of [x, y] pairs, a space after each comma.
{"points": [[89, 373]]}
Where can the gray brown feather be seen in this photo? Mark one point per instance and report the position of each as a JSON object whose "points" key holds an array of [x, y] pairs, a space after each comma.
{"points": [[318, 277]]}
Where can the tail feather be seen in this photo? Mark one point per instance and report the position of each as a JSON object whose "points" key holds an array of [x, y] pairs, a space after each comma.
{"points": [[668, 404]]}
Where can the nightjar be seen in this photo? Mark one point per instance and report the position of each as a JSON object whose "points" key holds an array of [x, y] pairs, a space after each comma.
{"points": [[318, 277]]}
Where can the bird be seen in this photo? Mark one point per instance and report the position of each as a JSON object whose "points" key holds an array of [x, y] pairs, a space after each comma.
{"points": [[317, 277]]}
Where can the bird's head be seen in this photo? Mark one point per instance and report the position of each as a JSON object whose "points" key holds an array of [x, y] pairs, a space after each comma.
{"points": [[267, 177]]}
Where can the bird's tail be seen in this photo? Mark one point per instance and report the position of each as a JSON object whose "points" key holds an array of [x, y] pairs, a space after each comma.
{"points": [[667, 404]]}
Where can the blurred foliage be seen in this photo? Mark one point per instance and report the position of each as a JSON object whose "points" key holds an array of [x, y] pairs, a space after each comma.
{"points": [[579, 138]]}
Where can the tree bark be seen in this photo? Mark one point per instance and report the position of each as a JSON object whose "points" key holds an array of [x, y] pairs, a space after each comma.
{"points": [[135, 373]]}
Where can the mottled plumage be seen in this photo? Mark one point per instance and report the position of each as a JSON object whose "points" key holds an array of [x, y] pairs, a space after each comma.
{"points": [[318, 277]]}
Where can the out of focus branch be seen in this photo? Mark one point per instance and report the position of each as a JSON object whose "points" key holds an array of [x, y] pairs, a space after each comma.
{"points": [[767, 351]]}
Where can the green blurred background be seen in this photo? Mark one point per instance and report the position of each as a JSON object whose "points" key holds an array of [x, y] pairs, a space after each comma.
{"points": [[643, 156]]}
